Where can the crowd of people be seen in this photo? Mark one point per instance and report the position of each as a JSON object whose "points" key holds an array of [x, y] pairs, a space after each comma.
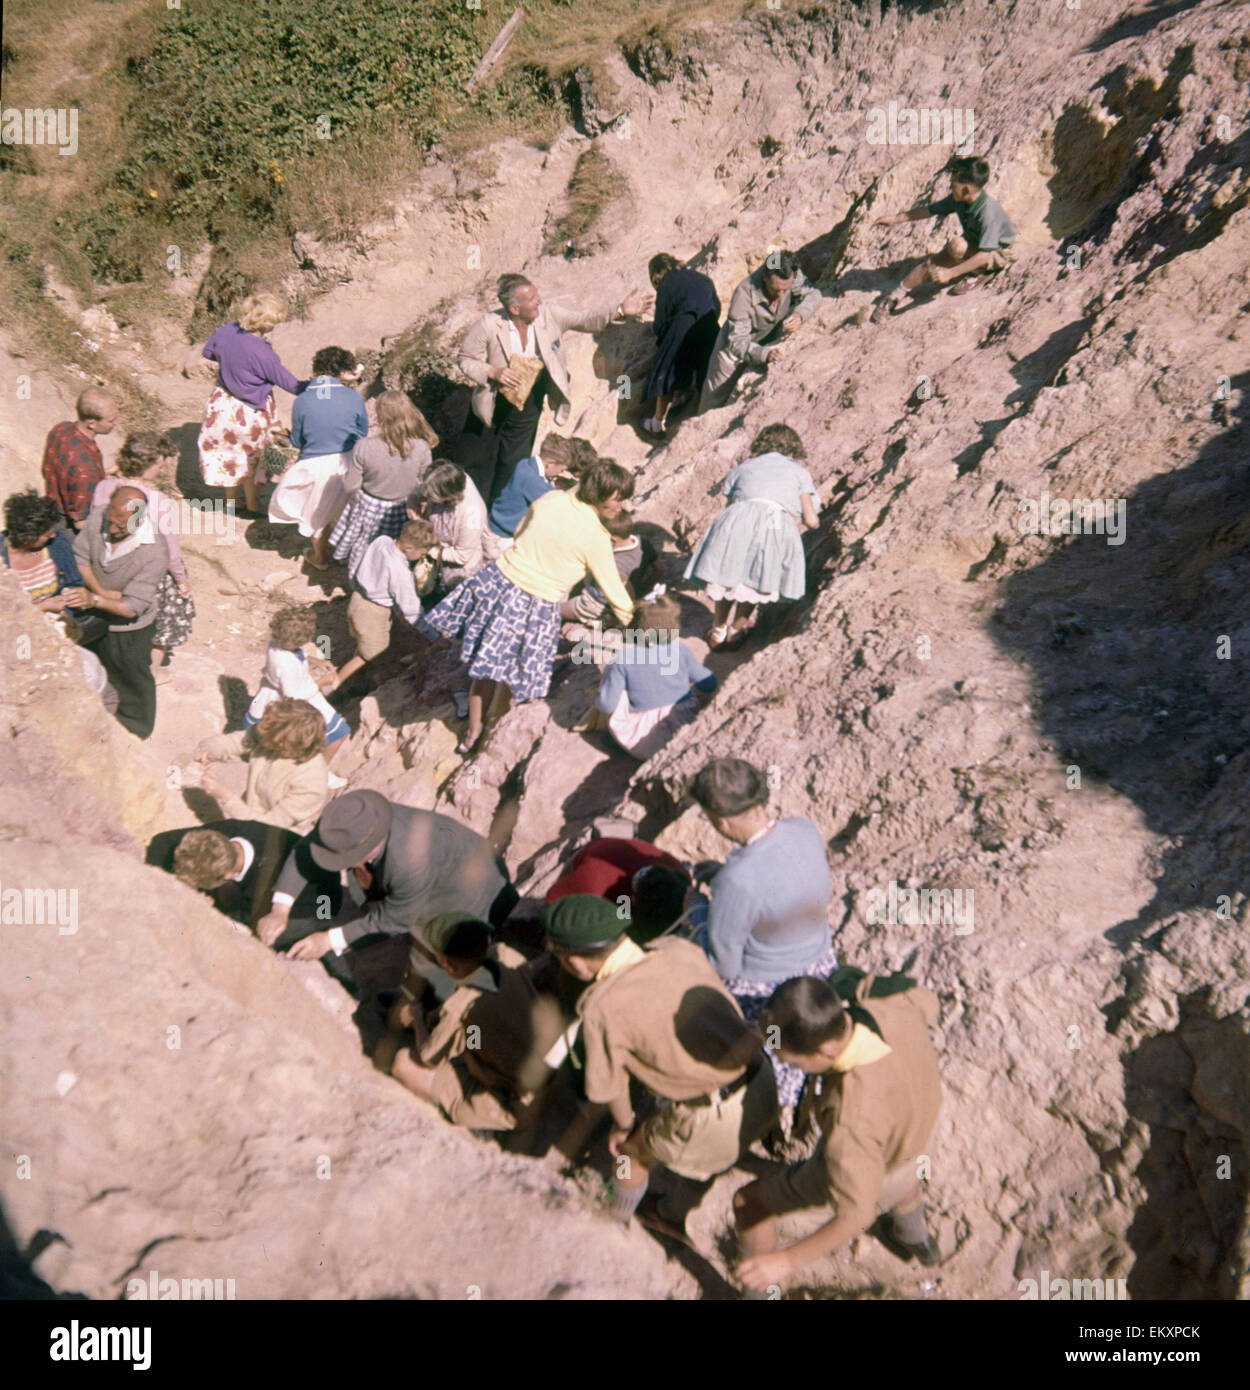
{"points": [[702, 1007]]}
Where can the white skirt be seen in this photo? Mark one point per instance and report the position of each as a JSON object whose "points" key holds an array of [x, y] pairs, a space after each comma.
{"points": [[310, 494], [740, 593], [642, 733]]}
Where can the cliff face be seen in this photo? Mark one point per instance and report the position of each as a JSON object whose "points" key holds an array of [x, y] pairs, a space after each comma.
{"points": [[1048, 727]]}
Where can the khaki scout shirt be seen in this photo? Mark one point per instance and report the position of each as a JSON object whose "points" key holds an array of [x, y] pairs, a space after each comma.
{"points": [[877, 1115], [516, 1027], [668, 1021], [751, 319]]}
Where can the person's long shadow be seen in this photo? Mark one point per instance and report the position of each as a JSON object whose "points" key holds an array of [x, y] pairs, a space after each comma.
{"points": [[1135, 26], [879, 279], [1183, 1234], [623, 354], [187, 469], [1036, 371], [1130, 648], [18, 1279]]}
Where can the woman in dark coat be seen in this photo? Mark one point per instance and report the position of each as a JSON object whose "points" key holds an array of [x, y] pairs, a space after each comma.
{"points": [[687, 316]]}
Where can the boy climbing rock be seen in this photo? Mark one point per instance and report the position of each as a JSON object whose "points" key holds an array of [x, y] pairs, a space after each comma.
{"points": [[983, 247], [876, 1092]]}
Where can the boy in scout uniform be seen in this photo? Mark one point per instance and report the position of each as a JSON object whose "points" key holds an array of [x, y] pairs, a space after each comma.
{"points": [[876, 1098], [982, 246], [661, 1016], [481, 1060]]}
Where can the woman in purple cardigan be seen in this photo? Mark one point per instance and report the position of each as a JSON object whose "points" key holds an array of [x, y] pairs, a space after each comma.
{"points": [[240, 413]]}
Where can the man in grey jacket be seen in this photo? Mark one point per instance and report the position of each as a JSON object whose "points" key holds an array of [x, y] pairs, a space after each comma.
{"points": [[403, 867], [123, 561], [768, 304], [498, 434]]}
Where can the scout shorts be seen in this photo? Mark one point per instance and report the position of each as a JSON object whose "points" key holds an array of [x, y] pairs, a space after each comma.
{"points": [[697, 1140], [370, 625], [806, 1184]]}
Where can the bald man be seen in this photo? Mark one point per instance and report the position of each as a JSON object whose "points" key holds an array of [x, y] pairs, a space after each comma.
{"points": [[72, 462], [123, 560]]}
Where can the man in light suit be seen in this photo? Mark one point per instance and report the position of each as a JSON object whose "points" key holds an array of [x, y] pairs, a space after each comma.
{"points": [[496, 435], [766, 308]]}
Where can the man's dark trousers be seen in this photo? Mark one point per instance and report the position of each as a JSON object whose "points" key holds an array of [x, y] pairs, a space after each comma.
{"points": [[490, 453], [127, 658]]}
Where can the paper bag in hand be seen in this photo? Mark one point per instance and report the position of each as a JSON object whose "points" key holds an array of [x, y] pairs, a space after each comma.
{"points": [[528, 369]]}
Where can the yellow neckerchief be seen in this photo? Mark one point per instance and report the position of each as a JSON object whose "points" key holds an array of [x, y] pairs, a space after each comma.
{"points": [[864, 1047], [625, 955]]}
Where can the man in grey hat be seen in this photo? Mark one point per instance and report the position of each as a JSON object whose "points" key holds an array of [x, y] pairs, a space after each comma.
{"points": [[405, 866]]}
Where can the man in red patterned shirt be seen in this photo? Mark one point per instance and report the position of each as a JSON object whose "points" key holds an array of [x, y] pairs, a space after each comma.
{"points": [[72, 462]]}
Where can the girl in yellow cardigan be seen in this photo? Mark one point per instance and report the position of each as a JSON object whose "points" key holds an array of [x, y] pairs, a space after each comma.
{"points": [[508, 614]]}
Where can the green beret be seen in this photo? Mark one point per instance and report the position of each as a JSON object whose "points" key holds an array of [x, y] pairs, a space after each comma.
{"points": [[583, 922], [440, 934]]}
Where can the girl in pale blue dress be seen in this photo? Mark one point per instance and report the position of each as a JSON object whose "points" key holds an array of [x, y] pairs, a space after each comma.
{"points": [[753, 552]]}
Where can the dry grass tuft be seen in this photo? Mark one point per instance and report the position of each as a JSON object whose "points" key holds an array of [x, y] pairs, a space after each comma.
{"points": [[595, 183]]}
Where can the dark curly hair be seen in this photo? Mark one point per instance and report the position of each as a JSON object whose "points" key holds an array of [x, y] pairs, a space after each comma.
{"points": [[290, 628], [778, 439], [782, 264], [333, 361], [28, 518], [603, 480], [969, 169], [142, 450]]}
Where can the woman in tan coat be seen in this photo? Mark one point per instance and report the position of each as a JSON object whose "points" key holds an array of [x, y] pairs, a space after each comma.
{"points": [[287, 780]]}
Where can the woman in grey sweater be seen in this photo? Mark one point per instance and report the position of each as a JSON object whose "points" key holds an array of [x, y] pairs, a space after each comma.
{"points": [[768, 919]]}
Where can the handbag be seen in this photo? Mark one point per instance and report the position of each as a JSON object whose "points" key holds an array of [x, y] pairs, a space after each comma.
{"points": [[83, 626], [425, 573]]}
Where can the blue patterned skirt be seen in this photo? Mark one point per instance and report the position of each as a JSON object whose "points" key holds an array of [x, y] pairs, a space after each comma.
{"points": [[753, 995], [506, 634], [364, 519]]}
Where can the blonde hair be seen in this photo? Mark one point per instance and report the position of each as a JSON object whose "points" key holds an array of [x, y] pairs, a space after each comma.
{"points": [[260, 312], [290, 729], [400, 423]]}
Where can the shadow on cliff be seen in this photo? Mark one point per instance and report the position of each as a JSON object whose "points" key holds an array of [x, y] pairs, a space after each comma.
{"points": [[1137, 25], [1185, 1234], [1131, 647], [18, 1279]]}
